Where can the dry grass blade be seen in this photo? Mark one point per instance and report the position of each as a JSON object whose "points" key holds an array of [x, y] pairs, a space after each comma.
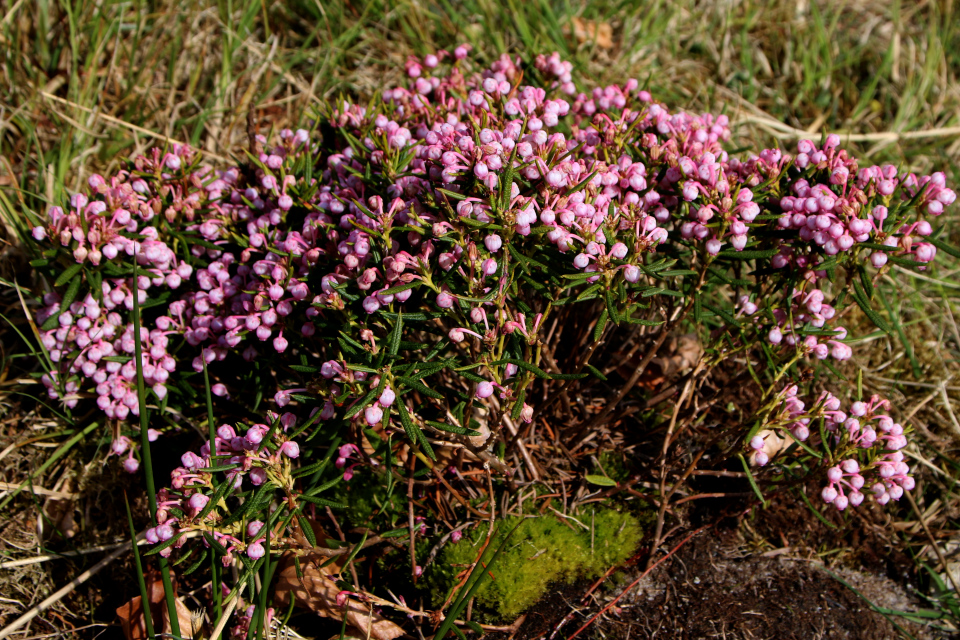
{"points": [[60, 593]]}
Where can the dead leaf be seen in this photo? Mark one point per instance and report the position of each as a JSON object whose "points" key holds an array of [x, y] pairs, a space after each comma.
{"points": [[480, 415], [58, 511], [773, 443], [681, 353], [593, 31], [131, 613], [317, 590]]}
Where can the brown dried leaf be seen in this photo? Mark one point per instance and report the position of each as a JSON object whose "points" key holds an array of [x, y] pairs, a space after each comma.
{"points": [[59, 513], [593, 31], [773, 443], [681, 354], [317, 591], [131, 613]]}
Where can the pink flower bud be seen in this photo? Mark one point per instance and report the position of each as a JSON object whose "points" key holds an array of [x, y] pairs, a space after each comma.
{"points": [[198, 501], [445, 300], [257, 476], [387, 397], [373, 414]]}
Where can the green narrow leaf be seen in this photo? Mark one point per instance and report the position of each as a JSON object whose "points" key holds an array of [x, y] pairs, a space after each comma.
{"points": [[814, 510], [394, 340], [68, 274], [600, 481], [305, 471], [329, 484], [569, 376], [307, 530], [753, 483], [71, 294], [214, 499], [401, 287], [596, 372], [251, 504], [589, 293], [299, 368], [518, 405], [196, 565], [601, 325], [419, 386], [725, 315], [183, 558], [757, 254], [427, 371], [362, 404], [451, 194], [862, 302], [476, 628], [523, 364], [163, 545], [519, 257], [413, 431], [323, 502], [943, 246], [452, 428], [356, 549], [866, 282]]}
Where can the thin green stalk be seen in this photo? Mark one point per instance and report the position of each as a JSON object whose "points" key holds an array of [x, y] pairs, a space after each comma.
{"points": [[144, 598], [264, 586], [145, 451], [474, 581], [211, 430]]}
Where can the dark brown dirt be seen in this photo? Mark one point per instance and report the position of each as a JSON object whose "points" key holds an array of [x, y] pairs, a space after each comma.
{"points": [[708, 591], [760, 576]]}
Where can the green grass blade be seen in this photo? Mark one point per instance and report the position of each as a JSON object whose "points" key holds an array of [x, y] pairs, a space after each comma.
{"points": [[144, 598], [168, 593]]}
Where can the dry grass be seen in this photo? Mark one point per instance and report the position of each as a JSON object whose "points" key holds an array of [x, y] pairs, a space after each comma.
{"points": [[85, 84]]}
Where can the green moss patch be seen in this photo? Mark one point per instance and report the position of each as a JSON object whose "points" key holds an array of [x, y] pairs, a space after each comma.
{"points": [[542, 552]]}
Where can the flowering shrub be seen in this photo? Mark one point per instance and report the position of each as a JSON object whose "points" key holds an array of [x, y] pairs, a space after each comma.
{"points": [[393, 280]]}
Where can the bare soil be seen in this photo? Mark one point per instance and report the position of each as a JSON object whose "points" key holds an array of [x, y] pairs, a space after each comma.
{"points": [[764, 575]]}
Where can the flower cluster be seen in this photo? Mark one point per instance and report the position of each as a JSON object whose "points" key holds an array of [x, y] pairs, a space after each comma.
{"points": [[803, 324], [261, 455], [865, 444]]}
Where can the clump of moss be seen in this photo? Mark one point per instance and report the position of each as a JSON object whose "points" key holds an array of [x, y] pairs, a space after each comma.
{"points": [[542, 552], [369, 502], [614, 464]]}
